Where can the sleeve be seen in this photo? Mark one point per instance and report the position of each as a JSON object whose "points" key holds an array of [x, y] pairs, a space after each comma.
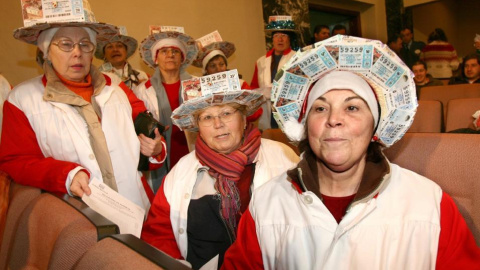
{"points": [[254, 83], [137, 105], [454, 63], [157, 230], [24, 161], [157, 161], [456, 248], [245, 86], [245, 252]]}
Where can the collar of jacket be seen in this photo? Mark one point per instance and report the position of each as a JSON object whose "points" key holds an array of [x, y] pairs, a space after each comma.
{"points": [[56, 91], [375, 177], [287, 51]]}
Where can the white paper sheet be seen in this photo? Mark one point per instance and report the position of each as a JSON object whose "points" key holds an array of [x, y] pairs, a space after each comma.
{"points": [[116, 208]]}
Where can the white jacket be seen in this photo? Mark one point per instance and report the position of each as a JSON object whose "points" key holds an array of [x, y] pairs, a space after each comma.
{"points": [[62, 134], [272, 159], [398, 229]]}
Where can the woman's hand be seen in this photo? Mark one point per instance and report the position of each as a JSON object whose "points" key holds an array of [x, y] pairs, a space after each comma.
{"points": [[151, 147], [80, 184]]}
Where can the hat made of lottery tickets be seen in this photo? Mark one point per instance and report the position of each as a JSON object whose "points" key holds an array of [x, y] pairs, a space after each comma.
{"points": [[220, 88], [390, 79], [168, 37], [39, 17], [129, 42]]}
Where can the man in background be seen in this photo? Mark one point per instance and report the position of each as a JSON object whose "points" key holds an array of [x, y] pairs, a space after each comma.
{"points": [[321, 32], [339, 30], [411, 50], [422, 78], [395, 43], [471, 70]]}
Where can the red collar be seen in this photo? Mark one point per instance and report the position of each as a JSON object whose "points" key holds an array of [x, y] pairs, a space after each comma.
{"points": [[287, 51]]}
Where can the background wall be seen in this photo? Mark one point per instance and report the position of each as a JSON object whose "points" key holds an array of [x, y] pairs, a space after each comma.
{"points": [[239, 21], [459, 19], [372, 15]]}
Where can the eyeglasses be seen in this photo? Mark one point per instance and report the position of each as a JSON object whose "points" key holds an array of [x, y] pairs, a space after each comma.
{"points": [[208, 120], [68, 45], [166, 51]]}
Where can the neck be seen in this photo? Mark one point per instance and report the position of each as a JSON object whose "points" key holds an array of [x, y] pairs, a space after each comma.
{"points": [[277, 52], [119, 65], [473, 80], [340, 184], [170, 77]]}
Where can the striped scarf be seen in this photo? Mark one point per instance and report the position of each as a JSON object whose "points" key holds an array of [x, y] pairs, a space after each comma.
{"points": [[227, 169]]}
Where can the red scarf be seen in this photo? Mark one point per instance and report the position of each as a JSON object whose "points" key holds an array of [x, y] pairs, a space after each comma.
{"points": [[227, 169]]}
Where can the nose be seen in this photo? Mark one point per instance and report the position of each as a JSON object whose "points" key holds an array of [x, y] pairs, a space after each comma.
{"points": [[76, 50], [335, 118], [217, 122]]}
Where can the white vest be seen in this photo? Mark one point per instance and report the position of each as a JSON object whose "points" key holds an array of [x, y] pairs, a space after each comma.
{"points": [[399, 229], [272, 159], [62, 134], [263, 68]]}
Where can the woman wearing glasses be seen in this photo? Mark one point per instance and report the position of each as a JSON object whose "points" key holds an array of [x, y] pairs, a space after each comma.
{"points": [[72, 124], [195, 213], [169, 53]]}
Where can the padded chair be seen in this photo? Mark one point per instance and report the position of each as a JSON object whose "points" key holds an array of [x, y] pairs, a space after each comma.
{"points": [[5, 181], [448, 92], [19, 197], [125, 251], [428, 117], [450, 160], [276, 134], [53, 233], [459, 113]]}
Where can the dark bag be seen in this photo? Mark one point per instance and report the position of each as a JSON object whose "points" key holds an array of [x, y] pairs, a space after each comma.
{"points": [[145, 124]]}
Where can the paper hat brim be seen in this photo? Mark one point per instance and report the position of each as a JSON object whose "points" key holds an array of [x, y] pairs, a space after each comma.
{"points": [[30, 34], [189, 43], [252, 99], [129, 42], [226, 47]]}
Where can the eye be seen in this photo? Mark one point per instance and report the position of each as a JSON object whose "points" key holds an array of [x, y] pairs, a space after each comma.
{"points": [[224, 114], [352, 108], [68, 43], [319, 109], [206, 118]]}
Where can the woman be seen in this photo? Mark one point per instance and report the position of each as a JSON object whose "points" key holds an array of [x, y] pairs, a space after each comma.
{"points": [[345, 206], [169, 53], [115, 52], [196, 211], [72, 122], [440, 56], [213, 59]]}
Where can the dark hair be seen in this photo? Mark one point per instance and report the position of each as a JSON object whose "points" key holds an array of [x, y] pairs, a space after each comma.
{"points": [[393, 38], [472, 56], [437, 35], [406, 28], [319, 28], [339, 27], [419, 62]]}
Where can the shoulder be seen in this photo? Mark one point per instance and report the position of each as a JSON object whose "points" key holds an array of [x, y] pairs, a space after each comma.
{"points": [[278, 150], [278, 192], [413, 183], [26, 91]]}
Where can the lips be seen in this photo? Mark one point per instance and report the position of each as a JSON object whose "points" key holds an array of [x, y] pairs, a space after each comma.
{"points": [[221, 136], [77, 66]]}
